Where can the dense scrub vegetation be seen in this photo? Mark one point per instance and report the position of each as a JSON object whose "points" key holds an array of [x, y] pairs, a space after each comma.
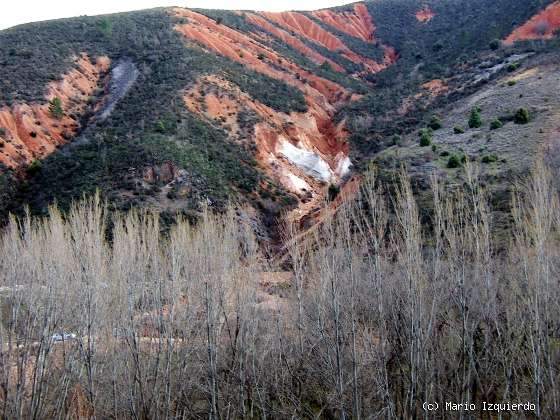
{"points": [[377, 314], [455, 39], [149, 126]]}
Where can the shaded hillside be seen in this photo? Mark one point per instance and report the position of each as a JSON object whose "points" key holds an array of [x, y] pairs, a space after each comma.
{"points": [[271, 109]]}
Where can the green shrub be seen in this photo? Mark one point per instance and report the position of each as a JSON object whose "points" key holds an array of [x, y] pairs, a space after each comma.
{"points": [[495, 44], [445, 153], [522, 116], [512, 67], [160, 126], [489, 159], [396, 140], [260, 56], [434, 148], [33, 167], [496, 123], [55, 108], [425, 137], [512, 82], [458, 129], [475, 120], [454, 162], [333, 192], [435, 123]]}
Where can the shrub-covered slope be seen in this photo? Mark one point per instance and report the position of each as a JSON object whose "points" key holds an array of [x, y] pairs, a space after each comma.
{"points": [[271, 109]]}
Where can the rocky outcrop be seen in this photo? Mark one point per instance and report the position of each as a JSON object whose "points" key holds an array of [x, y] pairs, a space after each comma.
{"points": [[541, 26], [33, 131]]}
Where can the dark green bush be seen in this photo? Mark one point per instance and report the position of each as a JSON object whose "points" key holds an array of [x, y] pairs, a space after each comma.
{"points": [[333, 192], [425, 137], [522, 116], [435, 123], [55, 108], [458, 129], [495, 44], [496, 123], [489, 159], [454, 162], [475, 119], [34, 167], [445, 153]]}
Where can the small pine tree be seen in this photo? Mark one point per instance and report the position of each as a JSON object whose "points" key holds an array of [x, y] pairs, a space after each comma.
{"points": [[496, 123], [458, 129], [55, 108], [495, 44], [453, 162], [333, 191], [425, 137], [475, 120], [522, 116], [435, 123], [160, 126]]}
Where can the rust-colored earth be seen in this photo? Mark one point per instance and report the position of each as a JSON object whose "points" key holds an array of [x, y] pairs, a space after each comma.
{"points": [[425, 15], [541, 26], [358, 24], [31, 131]]}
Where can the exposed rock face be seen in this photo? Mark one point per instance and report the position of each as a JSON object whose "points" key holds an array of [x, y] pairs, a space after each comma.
{"points": [[32, 131], [540, 26]]}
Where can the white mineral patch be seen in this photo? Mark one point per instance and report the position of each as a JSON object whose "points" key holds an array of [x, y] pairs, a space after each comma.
{"points": [[343, 166], [311, 163], [298, 183]]}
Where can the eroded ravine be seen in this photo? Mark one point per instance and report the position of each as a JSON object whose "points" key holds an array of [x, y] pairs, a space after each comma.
{"points": [[304, 151], [33, 131]]}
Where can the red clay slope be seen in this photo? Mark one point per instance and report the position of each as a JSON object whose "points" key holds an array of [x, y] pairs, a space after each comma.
{"points": [[305, 27], [30, 131], [291, 40], [358, 24], [541, 26], [245, 50]]}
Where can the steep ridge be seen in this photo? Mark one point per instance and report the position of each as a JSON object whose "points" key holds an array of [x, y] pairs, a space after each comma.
{"points": [[292, 41], [358, 24], [33, 131], [305, 27], [541, 26]]}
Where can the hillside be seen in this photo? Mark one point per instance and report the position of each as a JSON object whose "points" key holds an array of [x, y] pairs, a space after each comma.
{"points": [[272, 110], [349, 213]]}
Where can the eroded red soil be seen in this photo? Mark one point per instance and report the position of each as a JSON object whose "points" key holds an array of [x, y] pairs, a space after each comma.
{"points": [[358, 24], [305, 27], [312, 132], [540, 26], [425, 15], [30, 131], [291, 40]]}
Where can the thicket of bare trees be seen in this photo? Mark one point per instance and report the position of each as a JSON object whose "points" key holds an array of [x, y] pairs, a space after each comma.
{"points": [[377, 318]]}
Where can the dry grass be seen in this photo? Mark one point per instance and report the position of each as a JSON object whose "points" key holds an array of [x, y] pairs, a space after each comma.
{"points": [[373, 321]]}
